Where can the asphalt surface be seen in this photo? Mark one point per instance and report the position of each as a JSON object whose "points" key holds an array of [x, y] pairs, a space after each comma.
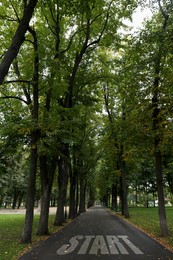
{"points": [[98, 234]]}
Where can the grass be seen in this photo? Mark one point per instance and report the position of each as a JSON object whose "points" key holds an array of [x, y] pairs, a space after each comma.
{"points": [[11, 226], [147, 220]]}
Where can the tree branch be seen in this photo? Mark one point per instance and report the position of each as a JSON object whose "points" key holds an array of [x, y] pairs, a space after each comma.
{"points": [[14, 97], [26, 92], [104, 27], [17, 40], [8, 18], [53, 32], [15, 11], [17, 81], [164, 14], [71, 40]]}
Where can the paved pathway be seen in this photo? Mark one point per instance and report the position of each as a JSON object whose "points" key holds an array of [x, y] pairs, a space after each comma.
{"points": [[52, 210], [98, 234]]}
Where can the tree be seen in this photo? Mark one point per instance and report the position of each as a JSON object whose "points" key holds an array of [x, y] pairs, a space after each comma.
{"points": [[119, 149]]}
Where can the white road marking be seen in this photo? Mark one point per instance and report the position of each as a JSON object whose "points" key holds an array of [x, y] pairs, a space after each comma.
{"points": [[66, 249], [114, 243], [85, 245], [135, 249], [98, 245]]}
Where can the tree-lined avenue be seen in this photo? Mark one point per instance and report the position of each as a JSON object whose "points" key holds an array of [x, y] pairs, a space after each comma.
{"points": [[98, 234], [86, 115]]}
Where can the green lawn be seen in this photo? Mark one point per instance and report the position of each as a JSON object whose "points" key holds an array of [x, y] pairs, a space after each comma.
{"points": [[147, 220], [11, 227]]}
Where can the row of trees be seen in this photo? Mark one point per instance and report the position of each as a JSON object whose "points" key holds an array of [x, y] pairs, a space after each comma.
{"points": [[49, 97], [84, 107], [139, 108]]}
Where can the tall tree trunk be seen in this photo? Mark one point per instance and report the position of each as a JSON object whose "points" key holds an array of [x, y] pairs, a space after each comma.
{"points": [[1, 201], [157, 141], [77, 196], [15, 197], [136, 195], [125, 210], [72, 208], [20, 199], [35, 134], [47, 173], [114, 197], [120, 197], [91, 197], [121, 163], [82, 195], [170, 182], [159, 179], [63, 172], [158, 164], [105, 200], [156, 125], [30, 199]]}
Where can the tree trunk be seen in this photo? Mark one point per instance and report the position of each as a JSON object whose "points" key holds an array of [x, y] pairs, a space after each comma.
{"points": [[105, 200], [114, 197], [158, 155], [82, 195], [170, 182], [20, 199], [125, 210], [161, 200], [63, 169], [136, 195], [77, 196], [91, 197], [35, 134], [27, 232], [72, 208], [156, 125], [15, 197], [47, 176], [1, 201]]}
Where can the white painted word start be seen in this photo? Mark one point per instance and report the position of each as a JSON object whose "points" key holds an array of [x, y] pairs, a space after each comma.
{"points": [[96, 245]]}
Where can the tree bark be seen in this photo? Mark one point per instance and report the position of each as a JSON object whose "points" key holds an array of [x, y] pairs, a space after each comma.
{"points": [[114, 197], [170, 182], [159, 179], [125, 210], [20, 199], [47, 176], [72, 208], [17, 40], [158, 156], [27, 232], [91, 197], [35, 134], [63, 172], [156, 127], [77, 196], [15, 197], [82, 202]]}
